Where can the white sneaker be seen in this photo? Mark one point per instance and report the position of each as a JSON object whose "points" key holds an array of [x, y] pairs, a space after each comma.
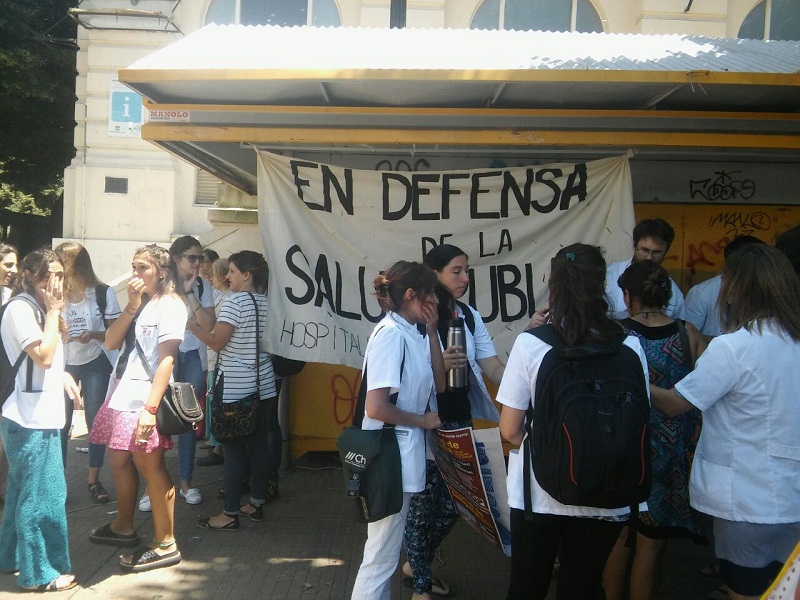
{"points": [[193, 496], [144, 504]]}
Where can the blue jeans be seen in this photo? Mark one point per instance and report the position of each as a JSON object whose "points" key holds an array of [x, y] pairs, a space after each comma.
{"points": [[193, 373], [250, 456], [94, 378]]}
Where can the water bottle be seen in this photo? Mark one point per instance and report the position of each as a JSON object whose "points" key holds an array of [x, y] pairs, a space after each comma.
{"points": [[456, 377]]}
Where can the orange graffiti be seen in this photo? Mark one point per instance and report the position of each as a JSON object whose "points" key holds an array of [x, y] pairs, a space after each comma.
{"points": [[345, 394], [696, 254]]}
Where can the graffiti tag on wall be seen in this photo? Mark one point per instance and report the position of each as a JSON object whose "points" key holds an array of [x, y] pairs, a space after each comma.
{"points": [[723, 187]]}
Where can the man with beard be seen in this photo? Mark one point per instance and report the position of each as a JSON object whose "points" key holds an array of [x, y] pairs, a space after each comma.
{"points": [[651, 240]]}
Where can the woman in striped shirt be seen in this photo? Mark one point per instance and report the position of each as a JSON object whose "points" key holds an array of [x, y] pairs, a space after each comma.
{"points": [[234, 337]]}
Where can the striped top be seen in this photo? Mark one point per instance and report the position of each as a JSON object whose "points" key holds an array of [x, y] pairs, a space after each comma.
{"points": [[238, 358]]}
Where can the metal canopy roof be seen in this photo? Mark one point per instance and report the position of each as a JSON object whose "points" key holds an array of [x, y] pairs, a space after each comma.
{"points": [[454, 91]]}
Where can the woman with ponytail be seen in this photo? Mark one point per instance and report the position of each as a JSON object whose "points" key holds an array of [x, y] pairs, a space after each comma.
{"points": [[399, 359], [584, 535]]}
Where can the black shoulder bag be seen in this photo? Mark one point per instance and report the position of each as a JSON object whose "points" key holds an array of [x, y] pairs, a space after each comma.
{"points": [[371, 463], [236, 421], [179, 410]]}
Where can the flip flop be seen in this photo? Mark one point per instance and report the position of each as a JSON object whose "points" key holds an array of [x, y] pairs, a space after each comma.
{"points": [[104, 535], [205, 523], [147, 559], [59, 584], [438, 587]]}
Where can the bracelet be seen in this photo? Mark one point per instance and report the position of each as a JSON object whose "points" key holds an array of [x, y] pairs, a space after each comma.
{"points": [[125, 312], [151, 409]]}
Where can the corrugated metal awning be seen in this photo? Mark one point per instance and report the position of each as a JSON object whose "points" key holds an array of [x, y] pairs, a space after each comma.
{"points": [[453, 89]]}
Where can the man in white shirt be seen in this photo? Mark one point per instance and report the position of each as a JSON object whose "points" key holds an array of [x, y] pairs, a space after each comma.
{"points": [[651, 240], [701, 301]]}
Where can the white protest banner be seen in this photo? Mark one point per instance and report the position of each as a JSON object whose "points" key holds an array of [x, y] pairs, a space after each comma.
{"points": [[329, 230]]}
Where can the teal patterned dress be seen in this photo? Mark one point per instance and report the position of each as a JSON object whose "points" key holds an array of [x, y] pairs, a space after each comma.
{"points": [[673, 439]]}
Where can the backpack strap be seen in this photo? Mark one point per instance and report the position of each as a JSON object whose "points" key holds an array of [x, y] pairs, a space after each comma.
{"points": [[687, 345], [361, 402], [200, 290], [23, 355], [547, 333], [101, 296], [469, 318]]}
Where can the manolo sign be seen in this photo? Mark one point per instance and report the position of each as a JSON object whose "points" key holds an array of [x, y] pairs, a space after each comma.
{"points": [[328, 231]]}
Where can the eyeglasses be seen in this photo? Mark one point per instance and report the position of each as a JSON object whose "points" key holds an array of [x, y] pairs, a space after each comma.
{"points": [[193, 257], [650, 251]]}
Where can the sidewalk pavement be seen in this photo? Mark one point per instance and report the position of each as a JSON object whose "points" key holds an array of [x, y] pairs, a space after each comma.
{"points": [[307, 547]]}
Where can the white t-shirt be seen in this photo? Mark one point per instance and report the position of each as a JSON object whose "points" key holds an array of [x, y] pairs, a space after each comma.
{"points": [[747, 463], [238, 358], [516, 391], [701, 306], [190, 340], [616, 301], [391, 339], [85, 316], [162, 319], [43, 407], [5, 294]]}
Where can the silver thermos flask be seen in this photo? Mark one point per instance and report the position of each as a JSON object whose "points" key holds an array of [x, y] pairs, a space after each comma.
{"points": [[456, 377]]}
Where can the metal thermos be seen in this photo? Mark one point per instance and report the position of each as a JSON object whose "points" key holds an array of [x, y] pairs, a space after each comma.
{"points": [[457, 377]]}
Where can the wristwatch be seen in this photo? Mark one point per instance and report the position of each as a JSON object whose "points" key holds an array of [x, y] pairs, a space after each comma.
{"points": [[151, 409]]}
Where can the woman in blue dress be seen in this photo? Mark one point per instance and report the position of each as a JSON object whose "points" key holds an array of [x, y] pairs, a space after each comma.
{"points": [[646, 288]]}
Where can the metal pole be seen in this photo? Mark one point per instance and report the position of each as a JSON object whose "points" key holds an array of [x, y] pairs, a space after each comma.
{"points": [[397, 14]]}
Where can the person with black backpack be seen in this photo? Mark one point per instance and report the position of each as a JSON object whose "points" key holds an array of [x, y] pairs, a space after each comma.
{"points": [[33, 537], [90, 308], [576, 396]]}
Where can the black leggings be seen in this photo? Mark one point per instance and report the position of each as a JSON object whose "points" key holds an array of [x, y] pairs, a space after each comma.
{"points": [[583, 545]]}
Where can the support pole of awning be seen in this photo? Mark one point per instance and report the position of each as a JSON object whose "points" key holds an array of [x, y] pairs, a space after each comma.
{"points": [[397, 14]]}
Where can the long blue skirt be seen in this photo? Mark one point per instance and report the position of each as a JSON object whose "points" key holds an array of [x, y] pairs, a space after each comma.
{"points": [[33, 538]]}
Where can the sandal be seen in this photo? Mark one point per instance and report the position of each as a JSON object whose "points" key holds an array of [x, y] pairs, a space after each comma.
{"points": [[99, 493], [205, 523], [59, 584], [257, 515], [147, 559], [104, 535]]}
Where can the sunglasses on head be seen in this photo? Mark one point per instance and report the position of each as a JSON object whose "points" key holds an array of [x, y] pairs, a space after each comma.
{"points": [[193, 257]]}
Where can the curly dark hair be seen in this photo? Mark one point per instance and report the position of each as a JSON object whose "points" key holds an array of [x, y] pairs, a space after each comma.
{"points": [[647, 282]]}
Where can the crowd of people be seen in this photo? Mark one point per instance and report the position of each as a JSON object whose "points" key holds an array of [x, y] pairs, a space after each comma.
{"points": [[75, 347], [719, 368]]}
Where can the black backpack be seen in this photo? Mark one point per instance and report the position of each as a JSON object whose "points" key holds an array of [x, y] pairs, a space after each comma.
{"points": [[8, 371], [588, 430]]}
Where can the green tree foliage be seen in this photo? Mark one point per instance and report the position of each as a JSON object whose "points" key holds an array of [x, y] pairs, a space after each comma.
{"points": [[37, 101]]}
